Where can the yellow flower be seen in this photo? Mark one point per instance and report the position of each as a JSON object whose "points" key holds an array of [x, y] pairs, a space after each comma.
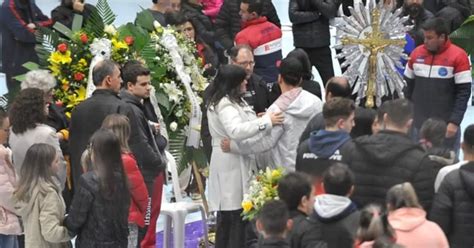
{"points": [[78, 96], [276, 173], [82, 62], [247, 206], [119, 44], [55, 70], [60, 58]]}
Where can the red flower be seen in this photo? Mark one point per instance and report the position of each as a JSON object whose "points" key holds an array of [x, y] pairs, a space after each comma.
{"points": [[78, 76], [84, 38], [129, 40], [59, 103], [62, 47]]}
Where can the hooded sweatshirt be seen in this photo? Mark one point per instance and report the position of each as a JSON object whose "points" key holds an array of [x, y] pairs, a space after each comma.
{"points": [[414, 231], [315, 154], [298, 107], [338, 217]]}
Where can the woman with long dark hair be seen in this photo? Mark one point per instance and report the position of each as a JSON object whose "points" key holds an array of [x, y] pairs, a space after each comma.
{"points": [[99, 210], [28, 116], [231, 117]]}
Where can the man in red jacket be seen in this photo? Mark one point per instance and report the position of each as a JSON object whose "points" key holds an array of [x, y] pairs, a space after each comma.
{"points": [[263, 37], [439, 79]]}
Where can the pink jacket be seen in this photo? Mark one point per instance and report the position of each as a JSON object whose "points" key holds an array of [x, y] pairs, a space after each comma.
{"points": [[9, 223], [413, 230], [211, 8]]}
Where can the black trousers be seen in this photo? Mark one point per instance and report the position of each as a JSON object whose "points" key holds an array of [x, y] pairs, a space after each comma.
{"points": [[320, 58], [230, 229]]}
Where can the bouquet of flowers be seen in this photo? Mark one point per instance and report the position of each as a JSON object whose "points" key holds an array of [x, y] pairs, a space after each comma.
{"points": [[68, 53], [263, 188]]}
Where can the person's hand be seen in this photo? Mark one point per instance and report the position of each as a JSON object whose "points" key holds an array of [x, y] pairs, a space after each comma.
{"points": [[60, 136], [31, 26], [225, 145], [277, 118], [451, 130], [78, 6]]}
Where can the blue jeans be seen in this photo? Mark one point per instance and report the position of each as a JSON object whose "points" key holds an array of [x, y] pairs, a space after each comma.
{"points": [[9, 241]]}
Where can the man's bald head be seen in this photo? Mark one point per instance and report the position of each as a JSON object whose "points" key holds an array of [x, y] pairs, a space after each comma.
{"points": [[338, 87]]}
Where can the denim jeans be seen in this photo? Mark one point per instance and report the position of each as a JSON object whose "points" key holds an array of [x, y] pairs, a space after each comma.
{"points": [[9, 241]]}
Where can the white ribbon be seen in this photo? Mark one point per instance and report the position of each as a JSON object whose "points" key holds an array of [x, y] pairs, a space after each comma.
{"points": [[169, 41]]}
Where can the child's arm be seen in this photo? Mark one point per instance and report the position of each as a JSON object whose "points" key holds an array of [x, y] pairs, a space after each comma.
{"points": [[51, 221], [80, 207]]}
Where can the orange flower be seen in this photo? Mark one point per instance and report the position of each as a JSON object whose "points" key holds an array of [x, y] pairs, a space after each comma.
{"points": [[84, 38]]}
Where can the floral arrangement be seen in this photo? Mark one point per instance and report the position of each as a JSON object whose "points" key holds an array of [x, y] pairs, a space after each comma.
{"points": [[68, 52], [263, 188], [171, 93]]}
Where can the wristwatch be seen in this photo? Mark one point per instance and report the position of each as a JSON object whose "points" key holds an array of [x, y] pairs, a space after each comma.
{"points": [[262, 127]]}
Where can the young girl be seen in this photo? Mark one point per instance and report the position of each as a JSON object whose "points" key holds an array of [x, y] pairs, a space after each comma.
{"points": [[99, 210], [9, 223], [39, 201], [373, 225], [119, 125]]}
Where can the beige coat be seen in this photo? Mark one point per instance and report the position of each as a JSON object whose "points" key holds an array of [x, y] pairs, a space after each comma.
{"points": [[43, 217]]}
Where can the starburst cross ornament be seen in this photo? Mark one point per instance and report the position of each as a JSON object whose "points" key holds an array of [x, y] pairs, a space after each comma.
{"points": [[372, 41]]}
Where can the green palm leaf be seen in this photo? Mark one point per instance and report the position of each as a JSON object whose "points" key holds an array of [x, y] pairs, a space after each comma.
{"points": [[105, 12], [464, 35], [100, 16], [47, 40]]}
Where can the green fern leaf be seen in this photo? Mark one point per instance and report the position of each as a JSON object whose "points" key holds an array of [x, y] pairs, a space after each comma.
{"points": [[105, 12]]}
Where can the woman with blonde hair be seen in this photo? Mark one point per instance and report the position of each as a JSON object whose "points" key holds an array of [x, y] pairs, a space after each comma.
{"points": [[408, 218]]}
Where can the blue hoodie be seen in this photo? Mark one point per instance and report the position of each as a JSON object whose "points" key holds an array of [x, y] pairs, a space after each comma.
{"points": [[325, 143]]}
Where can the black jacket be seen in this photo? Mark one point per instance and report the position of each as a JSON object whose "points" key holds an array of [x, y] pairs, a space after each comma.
{"points": [[454, 11], [87, 118], [65, 15], [228, 21], [337, 219], [310, 20], [202, 23], [315, 154], [18, 42], [315, 124], [385, 159], [98, 222], [304, 233], [274, 243], [258, 95], [453, 206], [147, 153]]}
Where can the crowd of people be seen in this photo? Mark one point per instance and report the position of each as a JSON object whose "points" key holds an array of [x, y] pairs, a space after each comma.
{"points": [[354, 177]]}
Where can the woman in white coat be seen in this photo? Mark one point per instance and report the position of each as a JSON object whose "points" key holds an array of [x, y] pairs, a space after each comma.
{"points": [[231, 117]]}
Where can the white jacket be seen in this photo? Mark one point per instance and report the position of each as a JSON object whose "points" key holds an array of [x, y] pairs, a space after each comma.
{"points": [[229, 173]]}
